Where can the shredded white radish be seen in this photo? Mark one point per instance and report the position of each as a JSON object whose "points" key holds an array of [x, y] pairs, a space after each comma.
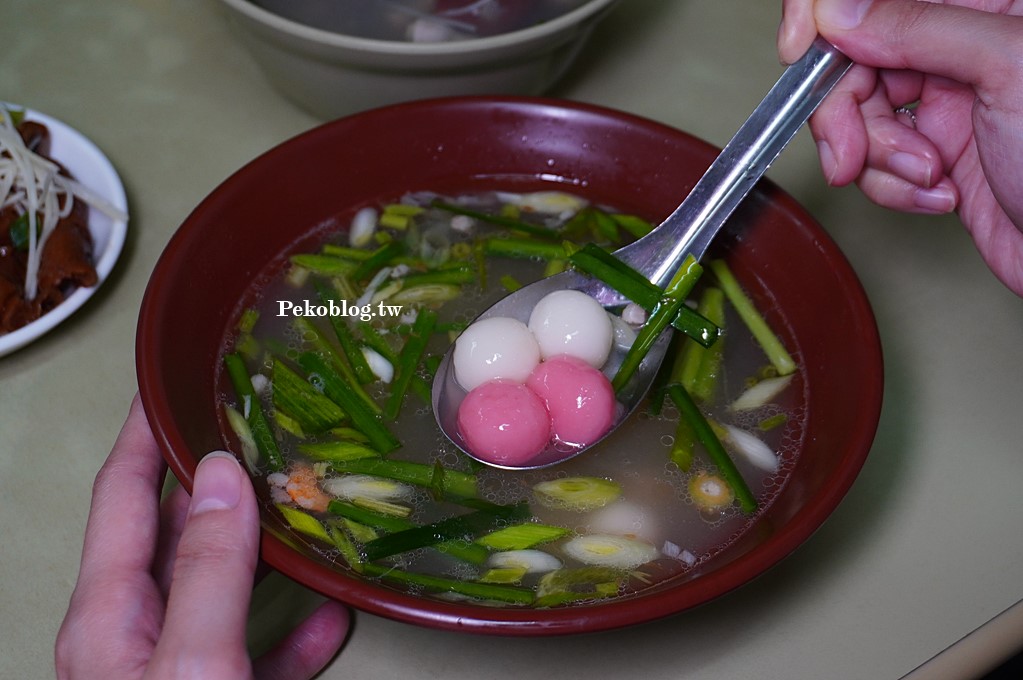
{"points": [[752, 448], [33, 186], [761, 393]]}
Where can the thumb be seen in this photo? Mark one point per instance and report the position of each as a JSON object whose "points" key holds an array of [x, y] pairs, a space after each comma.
{"points": [[967, 45], [208, 605]]}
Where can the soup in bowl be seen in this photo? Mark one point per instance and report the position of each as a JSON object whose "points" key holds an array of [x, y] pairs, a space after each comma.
{"points": [[406, 220]]}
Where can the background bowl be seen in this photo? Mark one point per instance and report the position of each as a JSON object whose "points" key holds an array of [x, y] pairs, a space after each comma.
{"points": [[332, 74], [284, 199]]}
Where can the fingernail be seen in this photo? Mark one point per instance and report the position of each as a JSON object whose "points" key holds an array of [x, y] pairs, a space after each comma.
{"points": [[844, 14], [829, 166], [936, 199], [911, 168], [218, 483]]}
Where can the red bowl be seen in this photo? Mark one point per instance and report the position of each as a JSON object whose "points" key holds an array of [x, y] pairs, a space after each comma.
{"points": [[281, 200]]}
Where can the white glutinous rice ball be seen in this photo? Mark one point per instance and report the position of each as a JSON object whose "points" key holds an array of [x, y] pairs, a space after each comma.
{"points": [[571, 322], [498, 347]]}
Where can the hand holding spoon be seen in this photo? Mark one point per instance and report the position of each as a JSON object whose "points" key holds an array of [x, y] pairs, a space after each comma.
{"points": [[688, 230]]}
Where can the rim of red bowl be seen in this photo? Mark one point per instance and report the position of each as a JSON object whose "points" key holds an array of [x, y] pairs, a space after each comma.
{"points": [[647, 605]]}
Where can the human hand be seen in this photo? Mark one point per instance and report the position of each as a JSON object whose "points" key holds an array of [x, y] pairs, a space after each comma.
{"points": [[163, 590], [962, 147]]}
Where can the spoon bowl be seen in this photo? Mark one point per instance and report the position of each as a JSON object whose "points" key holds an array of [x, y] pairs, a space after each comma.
{"points": [[689, 230]]}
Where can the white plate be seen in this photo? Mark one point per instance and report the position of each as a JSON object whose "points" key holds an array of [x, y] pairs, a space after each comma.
{"points": [[89, 166]]}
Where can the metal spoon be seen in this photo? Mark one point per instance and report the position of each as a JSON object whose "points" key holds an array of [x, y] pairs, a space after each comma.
{"points": [[689, 229]]}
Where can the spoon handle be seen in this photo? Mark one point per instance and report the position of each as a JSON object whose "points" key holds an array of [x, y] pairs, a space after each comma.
{"points": [[742, 162]]}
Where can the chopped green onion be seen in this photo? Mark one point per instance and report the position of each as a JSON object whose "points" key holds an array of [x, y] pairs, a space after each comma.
{"points": [[578, 494], [426, 294], [408, 362], [452, 482], [349, 346], [380, 257], [769, 341], [565, 586], [715, 449], [337, 451], [499, 220], [301, 401], [700, 365], [522, 536], [340, 392], [522, 248], [484, 591], [304, 522], [328, 265], [253, 411], [661, 316], [312, 334], [347, 252], [452, 528], [457, 275], [600, 264], [342, 538], [636, 226], [467, 552], [510, 283], [770, 423]]}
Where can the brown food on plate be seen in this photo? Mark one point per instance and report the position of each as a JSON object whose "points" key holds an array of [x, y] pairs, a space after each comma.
{"points": [[66, 261]]}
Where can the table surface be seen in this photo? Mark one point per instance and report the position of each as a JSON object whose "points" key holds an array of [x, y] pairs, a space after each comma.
{"points": [[924, 550]]}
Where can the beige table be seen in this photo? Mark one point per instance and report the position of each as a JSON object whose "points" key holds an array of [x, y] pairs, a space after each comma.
{"points": [[925, 549]]}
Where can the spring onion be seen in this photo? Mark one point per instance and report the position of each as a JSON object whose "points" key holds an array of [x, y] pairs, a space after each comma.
{"points": [[529, 561], [484, 591], [459, 549], [253, 412], [499, 220], [565, 586], [768, 340], [449, 481], [343, 540], [705, 434], [312, 334], [660, 317], [250, 453], [522, 536], [636, 226], [761, 393], [578, 494], [609, 550], [322, 375], [380, 257], [451, 528], [312, 411], [303, 522], [337, 451], [700, 366], [408, 362], [522, 248], [327, 265], [752, 448]]}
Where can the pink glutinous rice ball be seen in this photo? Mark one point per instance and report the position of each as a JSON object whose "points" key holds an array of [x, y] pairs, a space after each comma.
{"points": [[579, 398], [504, 422]]}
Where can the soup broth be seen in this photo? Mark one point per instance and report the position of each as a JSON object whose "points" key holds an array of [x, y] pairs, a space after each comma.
{"points": [[623, 516]]}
